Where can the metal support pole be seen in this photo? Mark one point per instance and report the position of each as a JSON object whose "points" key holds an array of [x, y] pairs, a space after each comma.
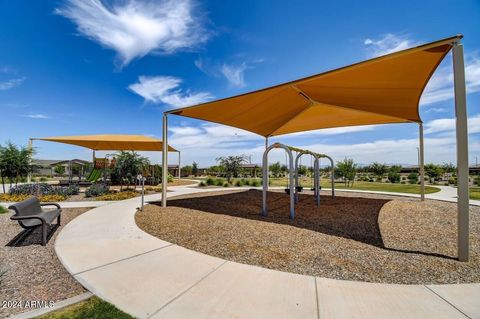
{"points": [[179, 172], [462, 152], [265, 176], [30, 147], [332, 175], [93, 158], [297, 158], [165, 160], [316, 180], [143, 191], [422, 162]]}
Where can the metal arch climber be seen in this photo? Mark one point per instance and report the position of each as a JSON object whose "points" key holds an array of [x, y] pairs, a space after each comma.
{"points": [[265, 178], [316, 175], [316, 169]]}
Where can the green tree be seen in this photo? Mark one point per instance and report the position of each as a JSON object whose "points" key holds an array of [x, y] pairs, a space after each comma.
{"points": [[194, 168], [187, 170], [59, 170], [346, 169], [302, 170], [275, 169], [231, 164], [128, 166], [378, 169], [15, 162], [215, 170], [433, 171]]}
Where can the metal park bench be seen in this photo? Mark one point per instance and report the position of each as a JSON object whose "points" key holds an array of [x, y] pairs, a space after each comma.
{"points": [[30, 214]]}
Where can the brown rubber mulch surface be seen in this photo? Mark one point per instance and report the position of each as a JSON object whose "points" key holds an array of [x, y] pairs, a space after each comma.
{"points": [[32, 271], [362, 237]]}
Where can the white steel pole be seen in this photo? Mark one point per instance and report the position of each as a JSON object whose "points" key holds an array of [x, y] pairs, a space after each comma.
{"points": [[30, 147], [463, 246], [179, 173], [165, 160], [265, 162], [422, 162]]}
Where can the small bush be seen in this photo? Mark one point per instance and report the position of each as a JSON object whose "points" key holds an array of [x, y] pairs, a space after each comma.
{"points": [[477, 181], [255, 183], [3, 210], [43, 198], [247, 182], [96, 190], [394, 177], [202, 184], [403, 182], [43, 179], [210, 181], [226, 184], [219, 182], [413, 178], [453, 181], [238, 183]]}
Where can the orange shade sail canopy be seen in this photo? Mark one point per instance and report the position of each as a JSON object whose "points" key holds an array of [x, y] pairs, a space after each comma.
{"points": [[111, 142], [382, 90]]}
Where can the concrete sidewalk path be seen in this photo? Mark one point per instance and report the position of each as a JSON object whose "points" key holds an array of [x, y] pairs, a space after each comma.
{"points": [[151, 278]]}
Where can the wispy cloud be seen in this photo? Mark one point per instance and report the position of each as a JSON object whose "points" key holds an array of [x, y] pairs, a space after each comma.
{"points": [[166, 90], [388, 43], [335, 131], [447, 125], [235, 74], [136, 28], [11, 83], [38, 116]]}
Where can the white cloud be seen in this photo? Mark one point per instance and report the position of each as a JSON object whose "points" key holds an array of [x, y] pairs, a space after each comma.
{"points": [[11, 83], [388, 43], [136, 28], [36, 116], [166, 90], [448, 125], [235, 74]]}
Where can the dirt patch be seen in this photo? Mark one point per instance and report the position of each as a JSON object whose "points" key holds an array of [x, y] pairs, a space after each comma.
{"points": [[365, 237], [33, 271]]}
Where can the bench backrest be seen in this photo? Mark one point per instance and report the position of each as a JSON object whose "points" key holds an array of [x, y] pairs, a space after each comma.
{"points": [[30, 206]]}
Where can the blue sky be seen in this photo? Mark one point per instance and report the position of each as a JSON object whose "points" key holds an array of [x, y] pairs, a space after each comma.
{"points": [[91, 67]]}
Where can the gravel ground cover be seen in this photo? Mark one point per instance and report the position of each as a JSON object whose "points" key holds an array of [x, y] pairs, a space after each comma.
{"points": [[33, 271], [365, 237]]}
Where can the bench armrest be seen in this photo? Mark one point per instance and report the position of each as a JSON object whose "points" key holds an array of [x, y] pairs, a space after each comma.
{"points": [[50, 204], [16, 217]]}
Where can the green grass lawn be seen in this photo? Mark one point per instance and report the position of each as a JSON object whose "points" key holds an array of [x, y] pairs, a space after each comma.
{"points": [[475, 193], [92, 308], [368, 186]]}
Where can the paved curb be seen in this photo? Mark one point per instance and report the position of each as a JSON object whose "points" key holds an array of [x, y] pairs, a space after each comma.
{"points": [[58, 305]]}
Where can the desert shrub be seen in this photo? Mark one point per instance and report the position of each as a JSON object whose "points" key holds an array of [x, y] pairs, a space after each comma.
{"points": [[403, 182], [238, 183], [20, 197], [453, 181], [255, 183], [169, 178], [477, 181], [67, 190], [32, 189], [247, 182], [219, 182], [3, 210], [412, 178], [394, 177], [210, 181], [118, 196], [43, 179], [226, 184], [202, 184], [96, 190]]}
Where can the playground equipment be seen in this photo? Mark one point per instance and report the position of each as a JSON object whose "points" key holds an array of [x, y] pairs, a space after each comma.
{"points": [[265, 178], [293, 186]]}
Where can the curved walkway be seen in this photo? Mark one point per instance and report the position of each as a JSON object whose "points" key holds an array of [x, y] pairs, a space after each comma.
{"points": [[151, 278]]}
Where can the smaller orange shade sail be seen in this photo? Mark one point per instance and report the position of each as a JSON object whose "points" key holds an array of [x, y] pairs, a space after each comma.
{"points": [[382, 90], [111, 142]]}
